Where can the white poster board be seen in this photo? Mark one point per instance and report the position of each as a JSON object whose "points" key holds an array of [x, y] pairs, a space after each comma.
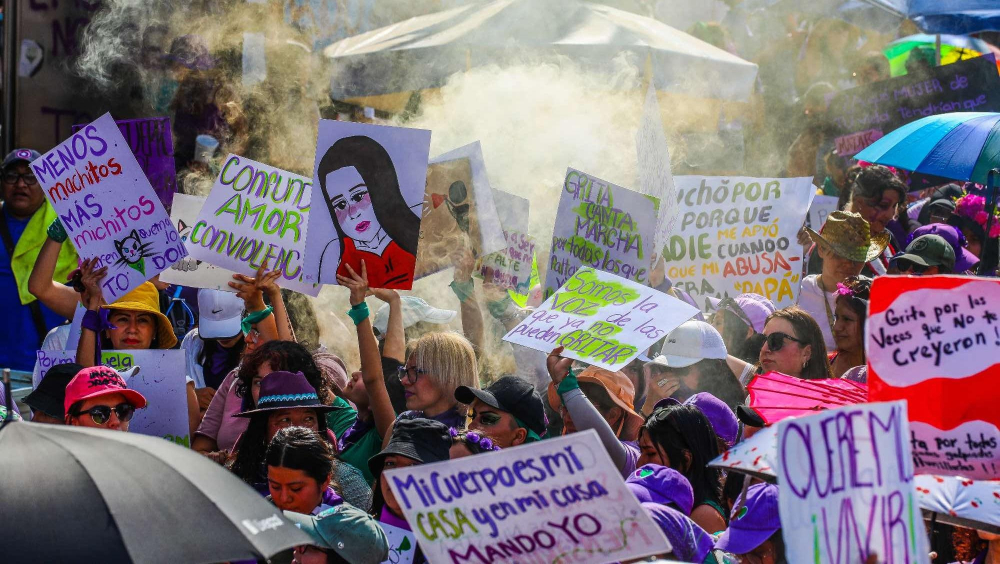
{"points": [[511, 267], [191, 272]]}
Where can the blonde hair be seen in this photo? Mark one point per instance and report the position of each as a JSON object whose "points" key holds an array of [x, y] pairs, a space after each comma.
{"points": [[448, 359]]}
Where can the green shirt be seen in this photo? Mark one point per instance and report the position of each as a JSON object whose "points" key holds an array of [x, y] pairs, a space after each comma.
{"points": [[357, 454], [339, 420]]}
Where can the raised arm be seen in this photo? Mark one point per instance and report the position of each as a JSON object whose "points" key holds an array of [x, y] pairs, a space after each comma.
{"points": [[93, 299], [394, 344], [249, 290], [268, 284], [371, 359], [59, 298], [465, 289]]}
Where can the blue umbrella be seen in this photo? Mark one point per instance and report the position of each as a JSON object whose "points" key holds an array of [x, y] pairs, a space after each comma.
{"points": [[958, 17]]}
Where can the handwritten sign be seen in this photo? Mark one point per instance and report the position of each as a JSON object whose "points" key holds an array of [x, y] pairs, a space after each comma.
{"points": [[152, 143], [255, 214], [108, 207], [655, 177], [192, 272], [511, 267], [402, 544], [542, 502], [933, 341], [738, 235], [820, 208], [846, 488], [601, 319], [603, 226], [865, 114], [160, 380]]}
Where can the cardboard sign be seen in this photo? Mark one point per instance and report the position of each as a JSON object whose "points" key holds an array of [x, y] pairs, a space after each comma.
{"points": [[865, 114], [370, 180], [255, 214], [737, 235], [160, 380], [511, 267], [192, 272], [846, 487], [539, 502], [108, 207], [655, 177], [601, 319], [933, 341], [152, 143], [821, 207], [602, 226]]}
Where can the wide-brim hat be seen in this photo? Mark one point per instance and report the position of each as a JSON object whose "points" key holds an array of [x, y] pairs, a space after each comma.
{"points": [[848, 235], [286, 390], [618, 387], [50, 394], [146, 299]]}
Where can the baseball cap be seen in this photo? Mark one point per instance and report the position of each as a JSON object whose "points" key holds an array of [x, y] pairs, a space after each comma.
{"points": [[511, 394], [690, 543], [692, 342], [99, 381], [653, 483], [50, 394], [350, 532], [219, 314], [20, 156], [753, 309], [415, 310], [964, 259], [753, 521], [722, 418], [929, 250]]}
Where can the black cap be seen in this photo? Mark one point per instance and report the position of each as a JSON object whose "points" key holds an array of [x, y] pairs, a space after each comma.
{"points": [[749, 416], [50, 394], [511, 394], [423, 440]]}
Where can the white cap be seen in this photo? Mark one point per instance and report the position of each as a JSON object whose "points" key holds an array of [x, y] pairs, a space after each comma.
{"points": [[693, 341], [219, 314], [415, 310]]}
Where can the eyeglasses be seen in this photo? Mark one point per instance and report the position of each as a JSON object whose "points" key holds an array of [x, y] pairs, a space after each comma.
{"points": [[101, 414], [252, 337], [13, 177], [906, 265], [776, 341], [410, 374]]}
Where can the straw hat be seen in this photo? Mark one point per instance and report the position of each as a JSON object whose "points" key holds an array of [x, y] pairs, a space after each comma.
{"points": [[146, 299], [848, 235]]}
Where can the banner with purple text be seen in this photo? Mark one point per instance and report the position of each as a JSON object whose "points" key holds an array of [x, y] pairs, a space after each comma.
{"points": [[108, 208]]}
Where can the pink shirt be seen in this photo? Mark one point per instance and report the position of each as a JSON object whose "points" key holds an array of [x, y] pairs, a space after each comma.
{"points": [[219, 423]]}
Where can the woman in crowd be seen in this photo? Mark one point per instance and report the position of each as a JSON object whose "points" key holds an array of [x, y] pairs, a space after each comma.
{"points": [[667, 497], [300, 472], [97, 397], [794, 345], [877, 195], [845, 243], [754, 533], [437, 364], [596, 399], [693, 359], [681, 437], [965, 261], [971, 217], [849, 327], [740, 321], [214, 348], [975, 547], [468, 443], [413, 442], [366, 542]]}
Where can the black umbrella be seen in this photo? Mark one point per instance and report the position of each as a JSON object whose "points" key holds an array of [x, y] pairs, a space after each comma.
{"points": [[70, 494]]}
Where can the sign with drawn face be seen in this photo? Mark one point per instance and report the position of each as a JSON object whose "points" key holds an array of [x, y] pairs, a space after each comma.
{"points": [[108, 208], [371, 182]]}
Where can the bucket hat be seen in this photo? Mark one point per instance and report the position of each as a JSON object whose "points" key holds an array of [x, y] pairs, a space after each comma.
{"points": [[146, 299]]}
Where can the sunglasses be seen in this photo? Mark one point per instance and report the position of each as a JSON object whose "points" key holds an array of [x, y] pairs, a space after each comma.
{"points": [[776, 341], [905, 265], [101, 414], [409, 374]]}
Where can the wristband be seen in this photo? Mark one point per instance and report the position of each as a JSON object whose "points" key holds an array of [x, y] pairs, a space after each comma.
{"points": [[463, 290], [358, 313], [498, 309], [568, 384], [255, 317], [96, 321], [57, 232]]}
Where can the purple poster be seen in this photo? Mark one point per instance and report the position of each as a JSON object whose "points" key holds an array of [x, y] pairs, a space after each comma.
{"points": [[153, 146]]}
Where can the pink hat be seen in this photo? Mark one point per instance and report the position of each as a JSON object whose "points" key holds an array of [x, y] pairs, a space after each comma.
{"points": [[99, 381]]}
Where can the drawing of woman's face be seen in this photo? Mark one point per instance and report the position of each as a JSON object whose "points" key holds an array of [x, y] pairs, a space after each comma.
{"points": [[351, 204]]}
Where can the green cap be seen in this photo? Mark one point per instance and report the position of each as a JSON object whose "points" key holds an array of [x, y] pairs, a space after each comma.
{"points": [[346, 530], [930, 250]]}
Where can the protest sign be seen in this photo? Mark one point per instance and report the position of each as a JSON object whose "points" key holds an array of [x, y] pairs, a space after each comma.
{"points": [[190, 271], [601, 319], [820, 208], [846, 487], [371, 179], [601, 225], [655, 176], [402, 544], [737, 235], [108, 208], [541, 502], [160, 380], [933, 341], [865, 114], [152, 143], [255, 214], [511, 267]]}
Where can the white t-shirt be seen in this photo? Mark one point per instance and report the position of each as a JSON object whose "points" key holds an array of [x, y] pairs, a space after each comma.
{"points": [[811, 300]]}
